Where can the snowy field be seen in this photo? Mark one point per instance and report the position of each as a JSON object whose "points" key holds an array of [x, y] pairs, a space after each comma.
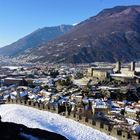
{"points": [[49, 121]]}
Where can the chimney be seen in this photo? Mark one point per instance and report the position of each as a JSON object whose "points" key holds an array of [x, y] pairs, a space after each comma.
{"points": [[132, 68], [118, 66]]}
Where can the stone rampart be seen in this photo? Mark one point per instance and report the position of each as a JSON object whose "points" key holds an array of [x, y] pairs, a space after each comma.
{"points": [[96, 124]]}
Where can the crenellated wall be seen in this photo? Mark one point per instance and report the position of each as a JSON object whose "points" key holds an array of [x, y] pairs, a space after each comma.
{"points": [[96, 124]]}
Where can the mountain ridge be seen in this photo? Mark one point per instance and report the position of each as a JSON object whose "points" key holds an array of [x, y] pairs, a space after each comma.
{"points": [[34, 39], [111, 35]]}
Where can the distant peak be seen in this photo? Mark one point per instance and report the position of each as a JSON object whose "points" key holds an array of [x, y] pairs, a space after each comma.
{"points": [[75, 24], [63, 25], [118, 9]]}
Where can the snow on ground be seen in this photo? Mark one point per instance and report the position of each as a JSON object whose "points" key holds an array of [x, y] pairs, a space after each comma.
{"points": [[35, 118]]}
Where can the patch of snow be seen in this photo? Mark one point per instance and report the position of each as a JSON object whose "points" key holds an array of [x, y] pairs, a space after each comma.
{"points": [[136, 128], [130, 110], [60, 44], [35, 118], [131, 121], [12, 67], [107, 87], [75, 24], [119, 75], [137, 69]]}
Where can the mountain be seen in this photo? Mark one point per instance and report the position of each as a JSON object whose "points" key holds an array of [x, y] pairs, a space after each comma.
{"points": [[111, 35], [33, 40]]}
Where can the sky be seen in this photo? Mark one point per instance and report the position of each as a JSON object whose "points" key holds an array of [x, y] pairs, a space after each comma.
{"points": [[21, 17]]}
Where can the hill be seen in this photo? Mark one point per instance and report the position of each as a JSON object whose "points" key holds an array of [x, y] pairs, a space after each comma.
{"points": [[33, 40], [111, 35]]}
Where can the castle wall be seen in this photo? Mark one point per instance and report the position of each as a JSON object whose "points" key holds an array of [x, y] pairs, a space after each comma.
{"points": [[96, 124]]}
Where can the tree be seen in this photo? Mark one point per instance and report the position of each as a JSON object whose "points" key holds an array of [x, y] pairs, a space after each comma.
{"points": [[23, 82], [54, 73], [79, 75]]}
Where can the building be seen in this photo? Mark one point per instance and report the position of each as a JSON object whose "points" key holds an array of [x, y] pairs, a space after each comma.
{"points": [[126, 74], [100, 73]]}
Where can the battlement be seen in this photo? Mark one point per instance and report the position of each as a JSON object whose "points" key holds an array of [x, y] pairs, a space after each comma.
{"points": [[102, 126]]}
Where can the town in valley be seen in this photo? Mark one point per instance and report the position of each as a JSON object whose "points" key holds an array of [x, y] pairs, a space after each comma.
{"points": [[104, 96]]}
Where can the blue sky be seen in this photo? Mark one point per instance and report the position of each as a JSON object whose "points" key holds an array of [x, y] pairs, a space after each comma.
{"points": [[20, 17]]}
